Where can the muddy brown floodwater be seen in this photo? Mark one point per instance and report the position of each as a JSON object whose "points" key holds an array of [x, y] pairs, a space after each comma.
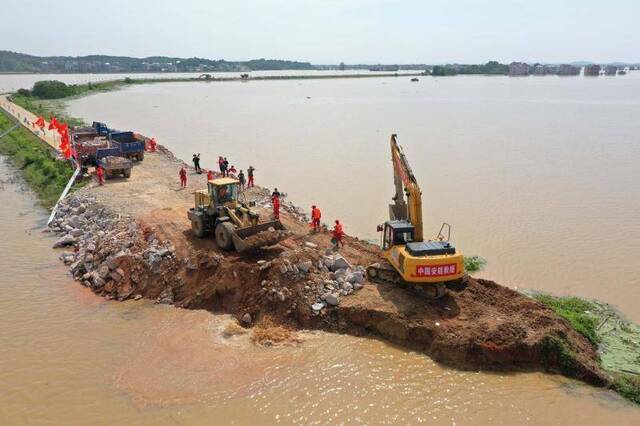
{"points": [[70, 357]]}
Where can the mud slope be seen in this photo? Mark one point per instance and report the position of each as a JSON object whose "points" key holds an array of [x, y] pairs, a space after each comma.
{"points": [[131, 239]]}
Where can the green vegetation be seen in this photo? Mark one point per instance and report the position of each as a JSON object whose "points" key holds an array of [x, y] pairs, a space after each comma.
{"points": [[19, 62], [46, 108], [627, 386], [44, 174], [474, 263], [618, 341], [51, 89], [490, 68], [54, 89], [440, 71], [580, 313]]}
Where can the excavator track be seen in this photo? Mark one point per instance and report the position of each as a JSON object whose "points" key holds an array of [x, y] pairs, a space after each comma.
{"points": [[384, 273]]}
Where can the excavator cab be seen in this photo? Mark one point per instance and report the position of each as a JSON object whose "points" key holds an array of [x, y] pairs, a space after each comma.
{"points": [[397, 232]]}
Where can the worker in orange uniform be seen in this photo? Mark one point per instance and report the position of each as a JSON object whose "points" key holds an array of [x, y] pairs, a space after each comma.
{"points": [[209, 175], [183, 177], [315, 218], [338, 234], [152, 145], [275, 200], [100, 174], [250, 171]]}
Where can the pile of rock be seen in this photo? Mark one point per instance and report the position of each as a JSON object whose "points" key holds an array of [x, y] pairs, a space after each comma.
{"points": [[100, 238], [325, 280], [340, 279]]}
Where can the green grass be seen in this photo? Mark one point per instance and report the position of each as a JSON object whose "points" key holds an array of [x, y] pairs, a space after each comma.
{"points": [[618, 341], [44, 174], [474, 263], [580, 313], [628, 386]]}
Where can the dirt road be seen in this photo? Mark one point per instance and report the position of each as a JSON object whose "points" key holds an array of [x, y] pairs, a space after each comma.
{"points": [[25, 118]]}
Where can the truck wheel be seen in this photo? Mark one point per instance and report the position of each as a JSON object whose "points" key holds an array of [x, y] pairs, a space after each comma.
{"points": [[224, 232], [141, 156], [197, 227], [127, 173]]}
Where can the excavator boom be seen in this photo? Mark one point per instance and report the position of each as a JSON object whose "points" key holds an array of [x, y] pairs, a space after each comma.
{"points": [[411, 209]]}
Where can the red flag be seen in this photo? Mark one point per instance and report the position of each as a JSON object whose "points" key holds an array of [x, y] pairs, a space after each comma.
{"points": [[53, 124]]}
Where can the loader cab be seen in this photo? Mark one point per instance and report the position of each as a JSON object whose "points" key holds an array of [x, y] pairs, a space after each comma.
{"points": [[223, 192], [397, 232]]}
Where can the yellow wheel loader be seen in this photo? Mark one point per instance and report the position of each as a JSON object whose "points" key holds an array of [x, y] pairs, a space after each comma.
{"points": [[424, 265], [234, 225]]}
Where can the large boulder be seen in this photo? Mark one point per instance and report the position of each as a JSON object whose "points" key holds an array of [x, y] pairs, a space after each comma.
{"points": [[75, 221], [305, 266], [332, 299], [65, 241], [339, 262]]}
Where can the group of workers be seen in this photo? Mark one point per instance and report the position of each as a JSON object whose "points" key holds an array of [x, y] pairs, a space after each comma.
{"points": [[225, 171], [245, 183]]}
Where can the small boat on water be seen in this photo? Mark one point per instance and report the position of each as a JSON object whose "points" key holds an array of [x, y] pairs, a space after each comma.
{"points": [[415, 79]]}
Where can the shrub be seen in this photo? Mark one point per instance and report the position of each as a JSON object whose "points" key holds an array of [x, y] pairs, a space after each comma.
{"points": [[474, 263], [51, 89]]}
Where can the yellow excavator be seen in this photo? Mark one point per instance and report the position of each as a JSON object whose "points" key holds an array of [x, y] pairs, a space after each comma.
{"points": [[233, 224], [424, 265]]}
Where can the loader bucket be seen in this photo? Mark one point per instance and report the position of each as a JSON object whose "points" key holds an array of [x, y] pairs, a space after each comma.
{"points": [[264, 234]]}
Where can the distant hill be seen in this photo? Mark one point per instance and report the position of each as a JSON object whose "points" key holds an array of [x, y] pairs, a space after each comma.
{"points": [[20, 62]]}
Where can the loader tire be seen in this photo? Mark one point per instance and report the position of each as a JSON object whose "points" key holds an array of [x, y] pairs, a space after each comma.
{"points": [[197, 227], [224, 235]]}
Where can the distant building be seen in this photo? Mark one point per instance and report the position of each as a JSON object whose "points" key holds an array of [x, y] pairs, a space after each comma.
{"points": [[592, 70], [610, 70], [566, 69], [539, 69], [518, 68]]}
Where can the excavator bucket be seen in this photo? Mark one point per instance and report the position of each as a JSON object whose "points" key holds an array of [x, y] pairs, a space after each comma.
{"points": [[262, 235]]}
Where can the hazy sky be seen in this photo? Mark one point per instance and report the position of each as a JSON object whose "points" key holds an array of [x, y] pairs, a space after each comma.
{"points": [[329, 31]]}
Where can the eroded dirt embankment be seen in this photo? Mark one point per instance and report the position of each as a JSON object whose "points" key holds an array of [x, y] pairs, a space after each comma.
{"points": [[131, 239]]}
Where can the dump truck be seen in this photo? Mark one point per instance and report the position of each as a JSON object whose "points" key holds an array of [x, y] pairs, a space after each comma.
{"points": [[233, 224], [424, 265], [96, 129], [87, 149], [130, 144], [114, 166]]}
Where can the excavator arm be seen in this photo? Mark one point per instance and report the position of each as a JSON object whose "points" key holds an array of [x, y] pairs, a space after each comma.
{"points": [[411, 208]]}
